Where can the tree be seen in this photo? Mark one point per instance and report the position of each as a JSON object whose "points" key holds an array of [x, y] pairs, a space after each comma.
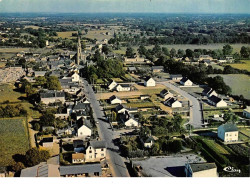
{"points": [[18, 166], [189, 53], [245, 52], [227, 49], [230, 117], [142, 50], [34, 156], [41, 80], [175, 146], [53, 83], [47, 119], [130, 52], [172, 52], [37, 126], [181, 53], [155, 148]]}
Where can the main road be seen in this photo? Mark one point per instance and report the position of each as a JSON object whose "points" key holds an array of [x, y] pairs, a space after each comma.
{"points": [[196, 119], [118, 166]]}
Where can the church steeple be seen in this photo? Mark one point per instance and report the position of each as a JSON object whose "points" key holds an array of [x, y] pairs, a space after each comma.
{"points": [[79, 50]]}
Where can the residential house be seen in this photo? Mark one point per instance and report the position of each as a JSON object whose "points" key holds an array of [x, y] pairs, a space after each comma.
{"points": [[41, 170], [123, 87], [81, 170], [84, 131], [96, 151], [112, 85], [176, 77], [148, 141], [217, 102], [228, 132], [131, 69], [75, 76], [144, 97], [52, 97], [156, 69], [173, 103], [128, 120], [186, 82], [209, 92], [120, 109], [115, 100], [246, 112], [78, 158], [165, 94], [149, 82], [205, 57], [201, 170]]}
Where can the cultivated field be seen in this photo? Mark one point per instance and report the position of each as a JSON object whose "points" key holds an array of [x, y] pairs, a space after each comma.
{"points": [[67, 34], [245, 65], [238, 82], [14, 139]]}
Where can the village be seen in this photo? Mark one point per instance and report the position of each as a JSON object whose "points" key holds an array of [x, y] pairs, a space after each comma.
{"points": [[98, 113]]}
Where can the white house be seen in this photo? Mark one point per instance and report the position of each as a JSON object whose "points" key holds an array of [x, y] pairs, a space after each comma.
{"points": [[246, 112], [209, 92], [47, 142], [120, 109], [201, 170], [217, 102], [84, 131], [165, 94], [186, 82], [149, 82], [228, 132], [176, 77], [112, 85], [115, 100], [148, 142], [130, 122], [75, 77], [96, 151], [123, 87], [78, 158], [173, 103]]}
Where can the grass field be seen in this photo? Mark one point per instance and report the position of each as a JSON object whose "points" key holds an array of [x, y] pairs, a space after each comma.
{"points": [[14, 139], [67, 34], [12, 49], [140, 104], [217, 147], [245, 65], [8, 94], [238, 82]]}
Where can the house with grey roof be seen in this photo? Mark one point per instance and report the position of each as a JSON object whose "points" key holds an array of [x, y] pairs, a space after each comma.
{"points": [[216, 101], [41, 170], [228, 132], [81, 170], [96, 151], [52, 97]]}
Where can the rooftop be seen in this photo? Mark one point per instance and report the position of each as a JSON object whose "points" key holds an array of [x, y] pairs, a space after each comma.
{"points": [[80, 169], [229, 127], [98, 144], [78, 156], [196, 167]]}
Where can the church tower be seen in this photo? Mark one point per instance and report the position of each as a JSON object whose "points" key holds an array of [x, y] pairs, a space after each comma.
{"points": [[79, 50]]}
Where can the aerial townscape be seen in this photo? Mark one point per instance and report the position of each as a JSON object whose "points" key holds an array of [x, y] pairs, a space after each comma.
{"points": [[124, 95]]}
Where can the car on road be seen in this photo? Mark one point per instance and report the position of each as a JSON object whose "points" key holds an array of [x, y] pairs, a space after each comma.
{"points": [[97, 122]]}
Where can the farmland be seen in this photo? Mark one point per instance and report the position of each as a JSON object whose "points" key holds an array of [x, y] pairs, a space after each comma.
{"points": [[245, 65], [236, 80], [67, 34], [14, 139]]}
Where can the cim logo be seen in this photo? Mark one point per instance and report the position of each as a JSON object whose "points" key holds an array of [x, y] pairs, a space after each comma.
{"points": [[231, 170]]}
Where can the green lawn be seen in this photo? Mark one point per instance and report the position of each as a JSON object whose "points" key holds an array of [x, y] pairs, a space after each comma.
{"points": [[14, 139], [245, 65], [8, 94], [238, 82], [217, 147]]}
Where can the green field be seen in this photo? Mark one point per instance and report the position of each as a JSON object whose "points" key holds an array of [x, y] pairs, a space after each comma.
{"points": [[14, 139], [217, 147], [245, 65], [238, 82], [140, 104]]}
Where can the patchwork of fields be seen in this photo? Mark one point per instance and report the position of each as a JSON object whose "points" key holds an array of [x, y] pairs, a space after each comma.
{"points": [[245, 65], [14, 139]]}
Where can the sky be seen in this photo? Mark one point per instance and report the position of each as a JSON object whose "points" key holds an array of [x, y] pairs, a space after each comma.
{"points": [[124, 6]]}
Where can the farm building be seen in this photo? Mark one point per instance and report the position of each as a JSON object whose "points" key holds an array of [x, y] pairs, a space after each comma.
{"points": [[176, 77], [157, 68], [52, 97], [123, 87], [77, 158], [81, 170], [228, 132], [246, 112]]}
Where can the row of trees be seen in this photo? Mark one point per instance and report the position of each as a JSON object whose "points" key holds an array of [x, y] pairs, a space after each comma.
{"points": [[12, 111]]}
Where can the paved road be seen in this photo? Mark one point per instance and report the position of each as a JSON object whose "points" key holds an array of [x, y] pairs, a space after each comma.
{"points": [[195, 109], [106, 133]]}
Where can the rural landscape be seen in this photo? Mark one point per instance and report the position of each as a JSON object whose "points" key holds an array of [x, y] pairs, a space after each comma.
{"points": [[124, 95]]}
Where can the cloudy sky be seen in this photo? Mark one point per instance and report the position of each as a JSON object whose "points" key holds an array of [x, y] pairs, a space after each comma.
{"points": [[155, 6]]}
